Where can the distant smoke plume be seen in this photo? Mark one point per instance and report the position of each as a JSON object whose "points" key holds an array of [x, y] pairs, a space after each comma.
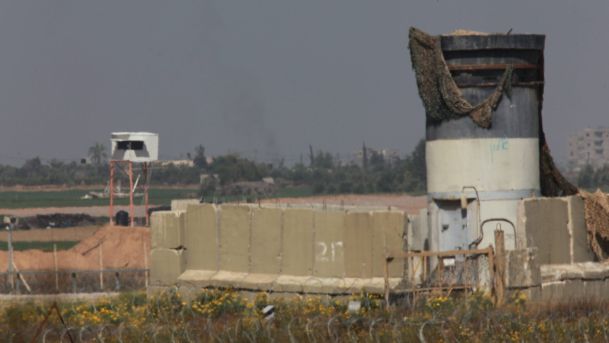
{"points": [[244, 112]]}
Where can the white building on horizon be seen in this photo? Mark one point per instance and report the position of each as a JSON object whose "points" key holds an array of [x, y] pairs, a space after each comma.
{"points": [[588, 147]]}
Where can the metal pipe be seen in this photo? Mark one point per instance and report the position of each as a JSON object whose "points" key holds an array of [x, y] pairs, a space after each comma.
{"points": [[479, 226], [111, 193], [479, 239], [131, 209]]}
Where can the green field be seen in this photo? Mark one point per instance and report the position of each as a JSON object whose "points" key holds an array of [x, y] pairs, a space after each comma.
{"points": [[72, 198], [45, 246]]}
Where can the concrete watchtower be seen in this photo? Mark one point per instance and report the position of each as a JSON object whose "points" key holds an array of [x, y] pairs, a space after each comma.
{"points": [[482, 94]]}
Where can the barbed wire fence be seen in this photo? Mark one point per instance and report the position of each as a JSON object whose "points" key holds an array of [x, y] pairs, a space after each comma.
{"points": [[73, 281], [583, 323]]}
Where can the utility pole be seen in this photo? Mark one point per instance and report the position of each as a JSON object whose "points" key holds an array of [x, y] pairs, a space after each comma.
{"points": [[10, 222]]}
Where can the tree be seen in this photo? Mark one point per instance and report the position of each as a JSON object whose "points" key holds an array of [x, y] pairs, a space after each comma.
{"points": [[364, 157], [415, 174], [200, 160], [98, 154], [586, 177], [417, 161]]}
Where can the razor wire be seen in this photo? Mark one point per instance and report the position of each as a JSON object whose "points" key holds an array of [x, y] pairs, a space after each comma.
{"points": [[458, 322]]}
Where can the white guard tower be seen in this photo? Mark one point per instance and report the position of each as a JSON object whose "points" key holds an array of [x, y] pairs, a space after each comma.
{"points": [[129, 148]]}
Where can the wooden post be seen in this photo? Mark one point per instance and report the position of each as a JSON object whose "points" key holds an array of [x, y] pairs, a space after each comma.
{"points": [[101, 266], [55, 266], [441, 272], [388, 259], [111, 194], [20, 277], [146, 183], [11, 263], [131, 209], [500, 265], [145, 246]]}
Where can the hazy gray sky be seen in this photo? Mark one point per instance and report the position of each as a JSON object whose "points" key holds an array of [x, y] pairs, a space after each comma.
{"points": [[266, 77]]}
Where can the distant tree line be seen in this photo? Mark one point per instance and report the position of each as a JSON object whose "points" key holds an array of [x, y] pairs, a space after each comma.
{"points": [[325, 174], [591, 178], [322, 173]]}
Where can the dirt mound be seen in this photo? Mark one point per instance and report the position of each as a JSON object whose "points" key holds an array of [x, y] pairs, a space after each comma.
{"points": [[120, 248], [50, 235]]}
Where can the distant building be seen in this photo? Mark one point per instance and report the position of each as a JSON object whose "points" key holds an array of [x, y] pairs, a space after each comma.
{"points": [[176, 163], [588, 146], [389, 155]]}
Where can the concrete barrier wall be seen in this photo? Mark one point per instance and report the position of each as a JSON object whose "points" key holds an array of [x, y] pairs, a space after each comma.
{"points": [[182, 204], [265, 252], [329, 244], [557, 228], [201, 237], [234, 228], [287, 249], [389, 237], [358, 245], [170, 229], [298, 242]]}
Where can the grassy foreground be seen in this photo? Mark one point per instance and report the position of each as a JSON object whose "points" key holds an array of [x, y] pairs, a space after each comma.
{"points": [[226, 316]]}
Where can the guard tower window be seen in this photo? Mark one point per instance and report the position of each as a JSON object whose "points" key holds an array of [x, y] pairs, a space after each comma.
{"points": [[130, 145]]}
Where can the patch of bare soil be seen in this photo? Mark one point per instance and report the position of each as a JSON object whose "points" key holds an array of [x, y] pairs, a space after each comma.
{"points": [[120, 247], [51, 235]]}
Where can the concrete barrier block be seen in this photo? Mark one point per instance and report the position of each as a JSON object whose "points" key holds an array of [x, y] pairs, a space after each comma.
{"points": [[290, 283], [201, 237], [522, 268], [388, 238], [594, 290], [166, 265], [546, 228], [580, 246], [235, 227], [552, 292], [358, 245], [266, 241], [298, 242], [167, 228], [562, 292], [196, 278], [227, 279], [574, 290], [259, 282], [605, 293], [182, 204], [417, 231], [326, 285], [329, 245]]}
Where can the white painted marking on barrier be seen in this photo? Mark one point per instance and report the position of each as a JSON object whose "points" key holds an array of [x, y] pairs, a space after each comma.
{"points": [[327, 252]]}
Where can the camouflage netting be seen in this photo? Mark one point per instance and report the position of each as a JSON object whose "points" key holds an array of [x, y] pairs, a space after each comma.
{"points": [[596, 208], [440, 94], [443, 100]]}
